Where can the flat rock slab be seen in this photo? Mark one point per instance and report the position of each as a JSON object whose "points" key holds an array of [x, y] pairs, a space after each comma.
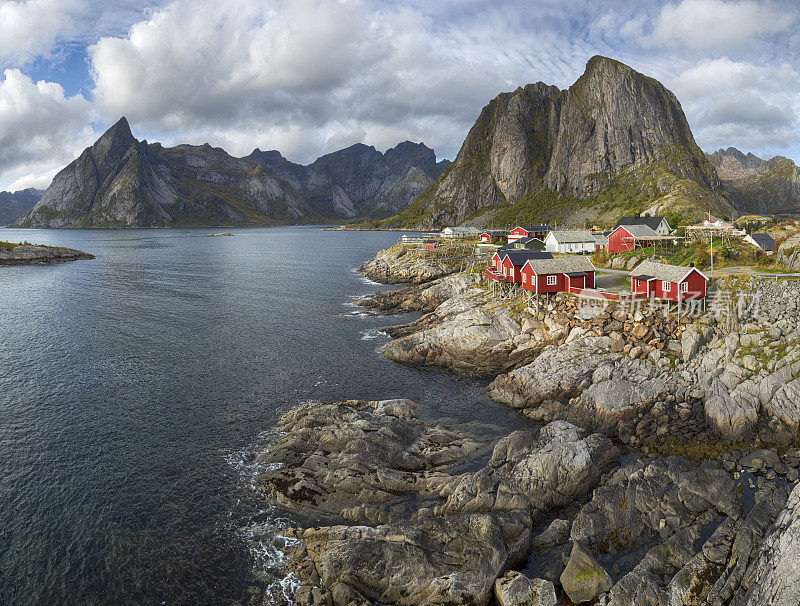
{"points": [[26, 254]]}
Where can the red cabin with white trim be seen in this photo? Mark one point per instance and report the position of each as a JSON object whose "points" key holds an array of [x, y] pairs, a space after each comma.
{"points": [[528, 231], [557, 275], [493, 235], [628, 237], [668, 282]]}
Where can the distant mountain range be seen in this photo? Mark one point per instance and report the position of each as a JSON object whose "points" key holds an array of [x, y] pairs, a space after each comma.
{"points": [[13, 206], [759, 186], [122, 182], [615, 142]]}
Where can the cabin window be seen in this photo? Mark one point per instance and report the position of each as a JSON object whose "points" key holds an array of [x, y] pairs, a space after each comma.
{"points": [[684, 287], [551, 280], [525, 278], [639, 283], [666, 286]]}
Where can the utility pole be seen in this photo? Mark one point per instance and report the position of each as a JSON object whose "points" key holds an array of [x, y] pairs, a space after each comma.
{"points": [[712, 250]]}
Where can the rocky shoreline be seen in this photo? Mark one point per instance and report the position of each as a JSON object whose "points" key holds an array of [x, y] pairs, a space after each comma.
{"points": [[26, 254], [664, 471]]}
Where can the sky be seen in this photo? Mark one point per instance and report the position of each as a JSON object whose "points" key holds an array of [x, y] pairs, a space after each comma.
{"points": [[307, 77]]}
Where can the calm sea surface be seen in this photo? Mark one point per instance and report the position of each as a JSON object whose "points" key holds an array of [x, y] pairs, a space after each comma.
{"points": [[136, 388]]}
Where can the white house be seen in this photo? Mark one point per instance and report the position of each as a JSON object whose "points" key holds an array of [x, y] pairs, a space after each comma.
{"points": [[762, 241], [573, 241], [460, 232]]}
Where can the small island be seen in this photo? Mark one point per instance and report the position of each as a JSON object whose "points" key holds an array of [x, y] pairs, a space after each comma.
{"points": [[15, 253]]}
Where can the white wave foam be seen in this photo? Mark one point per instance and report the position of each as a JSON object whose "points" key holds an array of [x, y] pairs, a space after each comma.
{"points": [[372, 333], [266, 540], [365, 279]]}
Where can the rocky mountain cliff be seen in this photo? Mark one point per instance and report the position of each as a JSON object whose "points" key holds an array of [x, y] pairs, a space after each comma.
{"points": [[122, 182], [759, 186], [615, 142], [14, 205]]}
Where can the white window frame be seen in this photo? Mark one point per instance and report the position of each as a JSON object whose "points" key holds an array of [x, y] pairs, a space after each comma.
{"points": [[666, 286], [684, 287], [525, 277], [552, 280]]}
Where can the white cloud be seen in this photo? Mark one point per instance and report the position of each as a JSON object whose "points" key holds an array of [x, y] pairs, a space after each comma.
{"points": [[753, 107], [718, 25], [40, 128], [303, 66], [722, 75], [30, 28]]}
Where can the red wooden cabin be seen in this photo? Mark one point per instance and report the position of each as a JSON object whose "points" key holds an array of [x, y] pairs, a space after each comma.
{"points": [[628, 237], [557, 275], [514, 261], [492, 235], [528, 231], [507, 264], [431, 244], [668, 282]]}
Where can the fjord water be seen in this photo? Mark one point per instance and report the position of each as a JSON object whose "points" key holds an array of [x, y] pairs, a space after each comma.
{"points": [[136, 387]]}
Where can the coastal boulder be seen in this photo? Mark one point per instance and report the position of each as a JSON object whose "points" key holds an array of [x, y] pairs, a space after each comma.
{"points": [[515, 589], [774, 577], [584, 579], [451, 560], [534, 472], [352, 457]]}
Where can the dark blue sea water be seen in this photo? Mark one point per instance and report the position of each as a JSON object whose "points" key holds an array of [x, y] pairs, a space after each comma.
{"points": [[136, 387]]}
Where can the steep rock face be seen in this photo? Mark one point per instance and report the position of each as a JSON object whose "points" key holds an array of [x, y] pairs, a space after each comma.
{"points": [[614, 140], [122, 182], [14, 205], [756, 185]]}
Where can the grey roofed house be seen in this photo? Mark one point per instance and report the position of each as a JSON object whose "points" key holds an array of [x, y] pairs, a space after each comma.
{"points": [[562, 265], [574, 236], [657, 224], [519, 256], [460, 231], [764, 241], [534, 228], [640, 231], [661, 271], [530, 243]]}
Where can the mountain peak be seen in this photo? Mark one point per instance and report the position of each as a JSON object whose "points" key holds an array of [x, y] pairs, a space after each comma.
{"points": [[601, 63], [121, 127], [614, 135], [115, 141]]}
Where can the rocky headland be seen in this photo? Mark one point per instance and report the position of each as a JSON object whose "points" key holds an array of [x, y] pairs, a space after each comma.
{"points": [[21, 254], [658, 464]]}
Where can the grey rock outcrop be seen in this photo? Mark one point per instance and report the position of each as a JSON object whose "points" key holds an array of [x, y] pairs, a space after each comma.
{"points": [[677, 532], [774, 577], [515, 589], [423, 534], [354, 458], [403, 265], [27, 254], [584, 579], [468, 334], [533, 472], [425, 297]]}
